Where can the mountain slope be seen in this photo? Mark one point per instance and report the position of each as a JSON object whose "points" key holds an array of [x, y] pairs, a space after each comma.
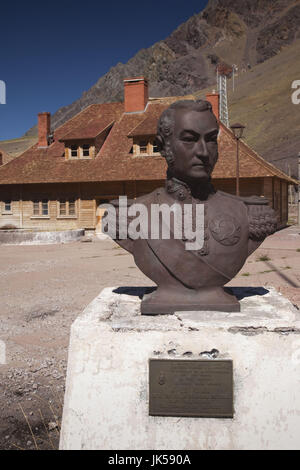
{"points": [[262, 102], [260, 36], [227, 30]]}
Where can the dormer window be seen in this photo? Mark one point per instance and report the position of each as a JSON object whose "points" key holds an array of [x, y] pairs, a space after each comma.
{"points": [[85, 150], [74, 151], [145, 146], [84, 142], [79, 150], [155, 147]]}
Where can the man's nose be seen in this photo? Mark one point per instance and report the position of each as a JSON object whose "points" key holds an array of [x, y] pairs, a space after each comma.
{"points": [[201, 149]]}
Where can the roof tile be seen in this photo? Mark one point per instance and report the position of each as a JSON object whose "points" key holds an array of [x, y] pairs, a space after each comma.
{"points": [[114, 162]]}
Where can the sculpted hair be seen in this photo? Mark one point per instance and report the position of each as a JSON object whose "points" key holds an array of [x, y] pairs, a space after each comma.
{"points": [[166, 123]]}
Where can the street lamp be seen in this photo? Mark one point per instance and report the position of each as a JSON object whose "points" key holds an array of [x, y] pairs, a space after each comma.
{"points": [[237, 130]]}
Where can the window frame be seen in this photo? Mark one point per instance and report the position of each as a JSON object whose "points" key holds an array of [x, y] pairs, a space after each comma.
{"points": [[68, 214], [38, 208], [5, 210], [71, 149], [137, 144], [80, 148]]}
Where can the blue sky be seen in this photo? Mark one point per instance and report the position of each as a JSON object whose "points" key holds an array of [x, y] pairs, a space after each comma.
{"points": [[53, 51]]}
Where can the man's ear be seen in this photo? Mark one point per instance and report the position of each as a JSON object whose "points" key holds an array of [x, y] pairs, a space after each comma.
{"points": [[159, 142]]}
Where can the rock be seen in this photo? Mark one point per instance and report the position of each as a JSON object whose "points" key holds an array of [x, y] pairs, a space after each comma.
{"points": [[52, 426]]}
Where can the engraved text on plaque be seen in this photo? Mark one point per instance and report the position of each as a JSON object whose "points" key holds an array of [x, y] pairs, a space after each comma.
{"points": [[196, 388]]}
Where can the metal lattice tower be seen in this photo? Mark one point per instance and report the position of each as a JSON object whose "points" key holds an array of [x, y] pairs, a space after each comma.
{"points": [[222, 89]]}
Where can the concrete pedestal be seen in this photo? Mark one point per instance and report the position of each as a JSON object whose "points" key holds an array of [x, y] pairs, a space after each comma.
{"points": [[107, 390]]}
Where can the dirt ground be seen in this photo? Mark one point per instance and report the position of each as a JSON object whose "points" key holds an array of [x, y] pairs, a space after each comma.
{"points": [[44, 288]]}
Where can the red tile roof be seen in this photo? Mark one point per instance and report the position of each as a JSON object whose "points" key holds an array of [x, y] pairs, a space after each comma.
{"points": [[5, 157], [114, 162], [89, 130]]}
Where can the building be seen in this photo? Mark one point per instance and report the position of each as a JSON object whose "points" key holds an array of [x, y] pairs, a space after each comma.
{"points": [[109, 150], [5, 157]]}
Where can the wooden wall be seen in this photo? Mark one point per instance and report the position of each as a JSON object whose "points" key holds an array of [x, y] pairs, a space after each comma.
{"points": [[274, 189], [89, 195], [280, 200], [248, 186]]}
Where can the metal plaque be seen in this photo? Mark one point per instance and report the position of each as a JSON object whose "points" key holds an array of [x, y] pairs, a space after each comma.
{"points": [[197, 388]]}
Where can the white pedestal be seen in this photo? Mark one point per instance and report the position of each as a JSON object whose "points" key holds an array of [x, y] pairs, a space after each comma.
{"points": [[106, 400]]}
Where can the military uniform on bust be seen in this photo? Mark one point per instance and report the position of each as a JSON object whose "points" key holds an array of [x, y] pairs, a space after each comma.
{"points": [[234, 227]]}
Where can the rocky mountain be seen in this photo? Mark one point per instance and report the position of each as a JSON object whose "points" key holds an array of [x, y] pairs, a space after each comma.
{"points": [[251, 34], [241, 32]]}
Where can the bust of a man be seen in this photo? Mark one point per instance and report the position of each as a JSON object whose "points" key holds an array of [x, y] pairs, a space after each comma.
{"points": [[233, 227]]}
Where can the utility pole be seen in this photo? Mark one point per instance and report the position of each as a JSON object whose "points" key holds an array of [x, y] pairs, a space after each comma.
{"points": [[237, 130], [222, 89], [234, 69]]}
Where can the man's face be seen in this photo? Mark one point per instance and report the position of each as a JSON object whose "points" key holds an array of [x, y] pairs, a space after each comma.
{"points": [[194, 145]]}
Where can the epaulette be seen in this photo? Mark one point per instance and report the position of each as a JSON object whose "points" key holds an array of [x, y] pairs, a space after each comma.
{"points": [[261, 217]]}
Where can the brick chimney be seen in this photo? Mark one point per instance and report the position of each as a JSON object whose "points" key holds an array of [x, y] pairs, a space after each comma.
{"points": [[44, 124], [214, 99], [135, 94]]}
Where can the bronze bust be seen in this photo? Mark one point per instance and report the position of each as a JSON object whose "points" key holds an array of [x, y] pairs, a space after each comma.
{"points": [[233, 226]]}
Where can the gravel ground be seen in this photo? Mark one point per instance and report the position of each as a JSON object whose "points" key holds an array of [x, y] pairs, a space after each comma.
{"points": [[44, 288]]}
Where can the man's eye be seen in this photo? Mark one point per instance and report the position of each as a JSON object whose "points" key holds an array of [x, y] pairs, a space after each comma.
{"points": [[189, 139]]}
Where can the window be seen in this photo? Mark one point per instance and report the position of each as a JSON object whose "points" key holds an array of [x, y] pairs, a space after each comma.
{"points": [[79, 150], [62, 207], [41, 208], [155, 147], [74, 151], [45, 207], [86, 150], [72, 208], [7, 206], [145, 147], [36, 208], [67, 208]]}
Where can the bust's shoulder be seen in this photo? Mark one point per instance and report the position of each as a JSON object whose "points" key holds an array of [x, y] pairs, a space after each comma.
{"points": [[262, 218], [248, 201]]}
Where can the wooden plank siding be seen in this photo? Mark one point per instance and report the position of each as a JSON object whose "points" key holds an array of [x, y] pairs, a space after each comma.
{"points": [[284, 202], [88, 196], [248, 186]]}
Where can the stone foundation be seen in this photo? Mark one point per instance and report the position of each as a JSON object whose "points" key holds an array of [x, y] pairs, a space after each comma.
{"points": [[23, 237], [107, 391]]}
